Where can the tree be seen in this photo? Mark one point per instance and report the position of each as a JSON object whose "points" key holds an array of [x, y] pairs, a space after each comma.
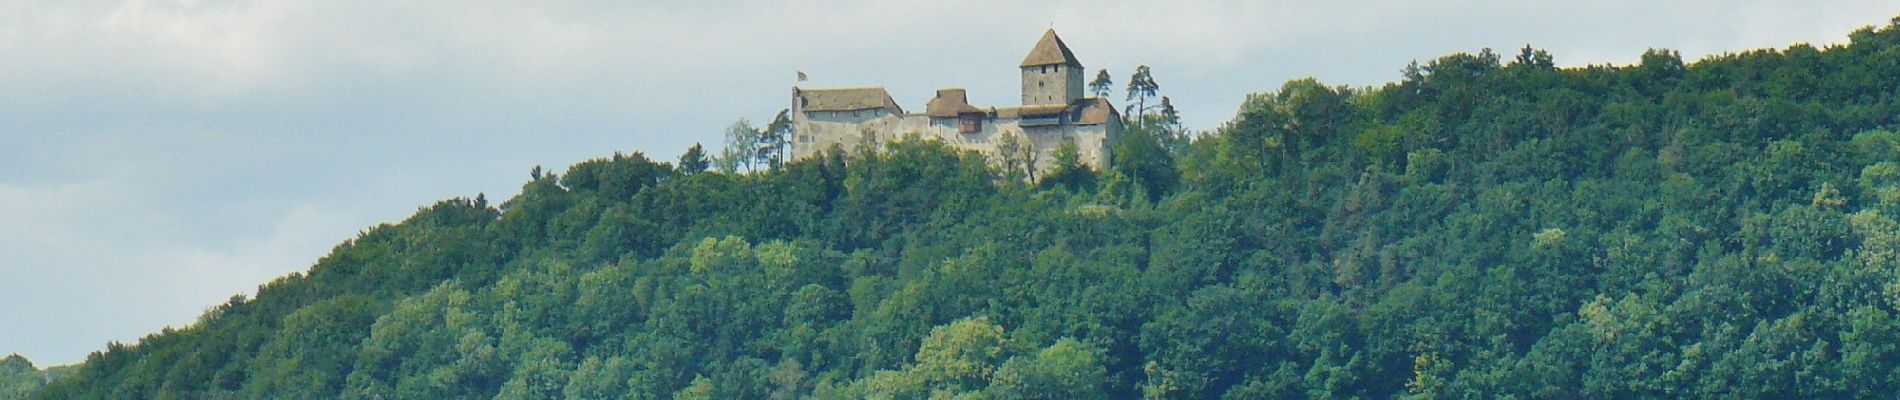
{"points": [[742, 147], [1142, 156], [1102, 84], [957, 359], [1661, 70], [1017, 156], [1069, 172], [1141, 87], [1534, 58], [694, 161], [1068, 369], [700, 389], [774, 139], [18, 377], [1169, 115], [960, 355], [595, 378]]}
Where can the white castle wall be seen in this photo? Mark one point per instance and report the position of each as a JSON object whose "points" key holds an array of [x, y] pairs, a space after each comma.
{"points": [[822, 130]]}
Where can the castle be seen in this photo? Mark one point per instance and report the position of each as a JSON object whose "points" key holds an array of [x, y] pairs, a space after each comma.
{"points": [[1053, 112]]}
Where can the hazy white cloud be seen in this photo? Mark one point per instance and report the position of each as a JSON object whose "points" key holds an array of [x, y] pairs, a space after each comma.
{"points": [[160, 156], [78, 286]]}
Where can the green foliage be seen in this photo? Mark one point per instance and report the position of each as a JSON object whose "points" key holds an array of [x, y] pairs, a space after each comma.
{"points": [[1016, 156], [1142, 157], [18, 377], [1717, 229], [694, 161], [1141, 87], [1069, 172], [973, 358], [743, 142], [775, 138], [1102, 84], [1068, 369]]}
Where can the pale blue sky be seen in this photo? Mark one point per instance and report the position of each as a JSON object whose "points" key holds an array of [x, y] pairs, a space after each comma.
{"points": [[161, 156]]}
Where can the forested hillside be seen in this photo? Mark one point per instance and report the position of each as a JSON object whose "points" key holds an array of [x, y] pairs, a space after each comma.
{"points": [[1489, 226], [18, 377]]}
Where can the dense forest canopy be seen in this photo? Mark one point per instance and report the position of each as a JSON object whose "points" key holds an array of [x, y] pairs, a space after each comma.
{"points": [[1490, 226], [20, 379]]}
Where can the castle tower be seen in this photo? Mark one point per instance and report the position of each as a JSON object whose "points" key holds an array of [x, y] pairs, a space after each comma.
{"points": [[1051, 75]]}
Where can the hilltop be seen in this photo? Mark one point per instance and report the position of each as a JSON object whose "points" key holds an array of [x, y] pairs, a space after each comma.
{"points": [[1483, 227]]}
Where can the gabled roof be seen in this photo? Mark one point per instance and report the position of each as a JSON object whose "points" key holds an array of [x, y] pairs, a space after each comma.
{"points": [[1095, 111], [1050, 51], [950, 103], [1085, 111], [1031, 111], [846, 99]]}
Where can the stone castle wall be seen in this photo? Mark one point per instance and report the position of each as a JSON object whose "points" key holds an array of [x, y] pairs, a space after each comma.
{"points": [[1051, 84], [818, 132]]}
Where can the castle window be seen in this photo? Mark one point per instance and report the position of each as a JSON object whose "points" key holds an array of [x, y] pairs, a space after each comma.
{"points": [[969, 123]]}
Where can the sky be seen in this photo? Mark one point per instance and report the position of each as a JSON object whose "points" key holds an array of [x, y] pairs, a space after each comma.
{"points": [[159, 157]]}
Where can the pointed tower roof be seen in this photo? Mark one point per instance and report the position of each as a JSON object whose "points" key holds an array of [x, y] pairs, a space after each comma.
{"points": [[1050, 51]]}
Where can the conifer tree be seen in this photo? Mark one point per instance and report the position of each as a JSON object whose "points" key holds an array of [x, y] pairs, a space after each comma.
{"points": [[694, 161], [1102, 84]]}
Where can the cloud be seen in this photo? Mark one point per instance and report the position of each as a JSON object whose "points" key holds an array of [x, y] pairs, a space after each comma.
{"points": [[108, 259]]}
